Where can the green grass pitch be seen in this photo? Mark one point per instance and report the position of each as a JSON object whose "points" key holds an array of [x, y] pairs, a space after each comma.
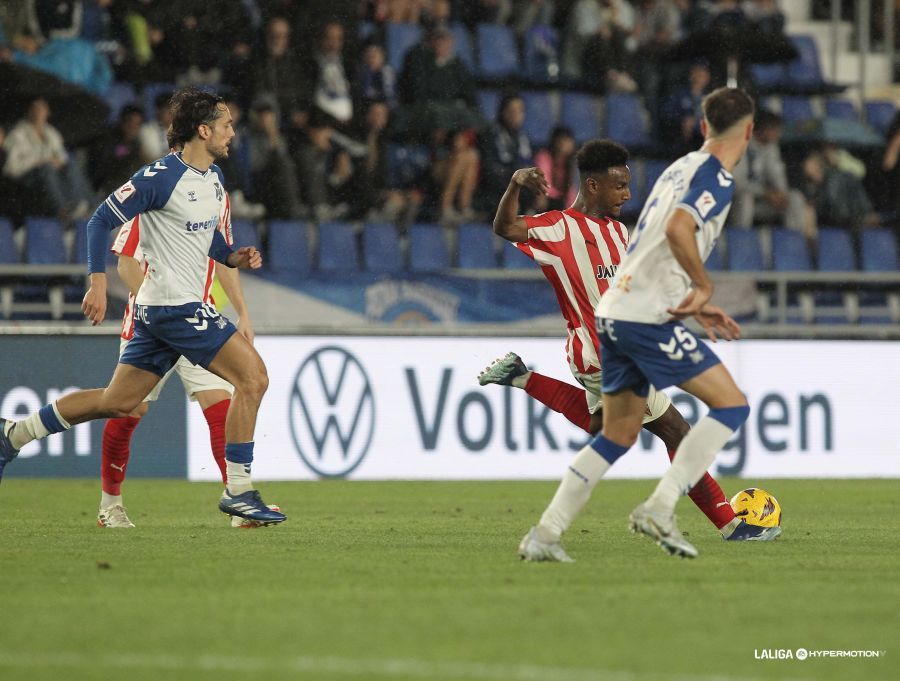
{"points": [[390, 581]]}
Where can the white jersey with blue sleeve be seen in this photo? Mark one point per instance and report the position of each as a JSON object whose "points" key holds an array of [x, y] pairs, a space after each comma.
{"points": [[180, 208], [649, 280]]}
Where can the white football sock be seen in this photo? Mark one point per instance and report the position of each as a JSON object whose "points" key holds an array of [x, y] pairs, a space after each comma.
{"points": [[521, 381], [695, 455], [572, 494], [107, 500], [238, 477]]}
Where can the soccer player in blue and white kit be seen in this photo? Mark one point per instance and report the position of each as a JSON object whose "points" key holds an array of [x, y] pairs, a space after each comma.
{"points": [[643, 342], [180, 200]]}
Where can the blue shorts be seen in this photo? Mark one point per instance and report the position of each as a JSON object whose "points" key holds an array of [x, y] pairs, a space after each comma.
{"points": [[635, 355], [163, 333]]}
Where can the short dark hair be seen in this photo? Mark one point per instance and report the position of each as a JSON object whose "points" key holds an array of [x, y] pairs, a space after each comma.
{"points": [[725, 106], [191, 108], [598, 156]]}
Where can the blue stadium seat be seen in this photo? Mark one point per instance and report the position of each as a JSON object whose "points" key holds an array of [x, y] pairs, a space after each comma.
{"points": [[805, 71], [542, 54], [381, 248], [879, 251], [880, 115], [744, 250], [9, 255], [489, 103], [514, 259], [337, 247], [796, 109], [652, 170], [841, 109], [427, 248], [626, 120], [790, 252], [579, 113], [835, 250], [498, 56], [463, 40], [638, 188], [288, 247], [476, 246], [399, 39], [44, 243], [407, 164], [79, 251], [366, 30], [150, 93], [768, 76], [244, 233], [715, 262], [117, 97], [539, 117]]}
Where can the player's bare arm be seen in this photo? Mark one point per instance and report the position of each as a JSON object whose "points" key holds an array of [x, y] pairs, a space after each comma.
{"points": [[507, 222], [93, 305], [245, 258], [130, 271], [231, 283], [680, 232]]}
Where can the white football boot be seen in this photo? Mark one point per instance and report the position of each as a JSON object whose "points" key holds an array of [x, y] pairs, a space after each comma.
{"points": [[533, 549], [661, 527], [113, 516]]}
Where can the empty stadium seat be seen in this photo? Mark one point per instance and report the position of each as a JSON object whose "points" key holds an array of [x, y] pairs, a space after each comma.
{"points": [[539, 117], [149, 94], [79, 250], [514, 259], [768, 77], [796, 109], [44, 244], [117, 97], [579, 113], [488, 103], [476, 246], [288, 247], [626, 120], [381, 248], [879, 251], [337, 247], [835, 250], [542, 54], [498, 55], [805, 71], [880, 115], [427, 248], [744, 250], [463, 45], [9, 255], [652, 171], [790, 252], [399, 39], [244, 233], [841, 109]]}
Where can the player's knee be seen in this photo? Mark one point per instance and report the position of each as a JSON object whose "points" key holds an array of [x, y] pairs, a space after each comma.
{"points": [[730, 417], [255, 384]]}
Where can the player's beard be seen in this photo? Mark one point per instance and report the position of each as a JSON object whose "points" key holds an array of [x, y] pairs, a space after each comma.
{"points": [[220, 154]]}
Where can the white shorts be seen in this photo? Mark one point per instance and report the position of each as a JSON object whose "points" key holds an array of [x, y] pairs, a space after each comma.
{"points": [[657, 402], [194, 378]]}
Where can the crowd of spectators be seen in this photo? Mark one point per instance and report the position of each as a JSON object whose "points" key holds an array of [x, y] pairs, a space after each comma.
{"points": [[319, 111]]}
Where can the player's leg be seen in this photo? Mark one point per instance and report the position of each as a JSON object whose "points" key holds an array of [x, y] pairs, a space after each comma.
{"points": [[116, 451]]}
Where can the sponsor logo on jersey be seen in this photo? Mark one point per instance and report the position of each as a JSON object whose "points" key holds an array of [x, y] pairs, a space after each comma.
{"points": [[203, 226], [606, 271], [125, 192], [705, 203]]}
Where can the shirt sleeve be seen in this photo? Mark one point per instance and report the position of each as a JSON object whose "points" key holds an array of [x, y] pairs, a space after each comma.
{"points": [[219, 250], [709, 193], [545, 232]]}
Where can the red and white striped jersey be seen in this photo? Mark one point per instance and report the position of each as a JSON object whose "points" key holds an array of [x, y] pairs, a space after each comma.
{"points": [[579, 256], [128, 242]]}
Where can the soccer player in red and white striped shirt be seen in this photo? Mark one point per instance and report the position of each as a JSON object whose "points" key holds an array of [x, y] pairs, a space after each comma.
{"points": [[578, 250]]}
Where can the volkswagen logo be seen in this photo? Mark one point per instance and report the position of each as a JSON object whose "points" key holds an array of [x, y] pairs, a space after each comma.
{"points": [[332, 412]]}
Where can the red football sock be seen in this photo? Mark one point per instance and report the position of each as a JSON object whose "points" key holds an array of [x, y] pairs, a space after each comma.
{"points": [[560, 397], [215, 418], [709, 498], [116, 450]]}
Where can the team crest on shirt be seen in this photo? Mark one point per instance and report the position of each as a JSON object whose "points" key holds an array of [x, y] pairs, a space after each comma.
{"points": [[192, 196], [125, 192], [705, 203], [220, 193]]}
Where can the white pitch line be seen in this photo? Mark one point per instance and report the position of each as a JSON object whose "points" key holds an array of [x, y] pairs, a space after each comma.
{"points": [[392, 668]]}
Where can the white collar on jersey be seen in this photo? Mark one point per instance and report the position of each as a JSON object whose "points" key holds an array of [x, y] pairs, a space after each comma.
{"points": [[177, 154]]}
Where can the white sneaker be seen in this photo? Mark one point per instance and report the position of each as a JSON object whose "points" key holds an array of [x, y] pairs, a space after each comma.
{"points": [[533, 549], [114, 516], [661, 528], [247, 523]]}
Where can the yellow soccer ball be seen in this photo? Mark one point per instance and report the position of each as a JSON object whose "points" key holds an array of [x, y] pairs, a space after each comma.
{"points": [[757, 507]]}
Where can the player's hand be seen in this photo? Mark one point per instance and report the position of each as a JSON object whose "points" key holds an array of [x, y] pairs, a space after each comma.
{"points": [[245, 328], [93, 305], [714, 321], [693, 302], [246, 258], [533, 179]]}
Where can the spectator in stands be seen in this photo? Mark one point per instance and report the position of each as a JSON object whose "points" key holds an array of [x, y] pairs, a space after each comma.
{"points": [[762, 194], [681, 113], [325, 170], [55, 19], [277, 74], [528, 13], [153, 133], [834, 185], [504, 149], [657, 28], [377, 80], [455, 173], [71, 59], [273, 173], [437, 89], [765, 15], [331, 90], [394, 11], [118, 155], [890, 171], [37, 159], [596, 49], [557, 162]]}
